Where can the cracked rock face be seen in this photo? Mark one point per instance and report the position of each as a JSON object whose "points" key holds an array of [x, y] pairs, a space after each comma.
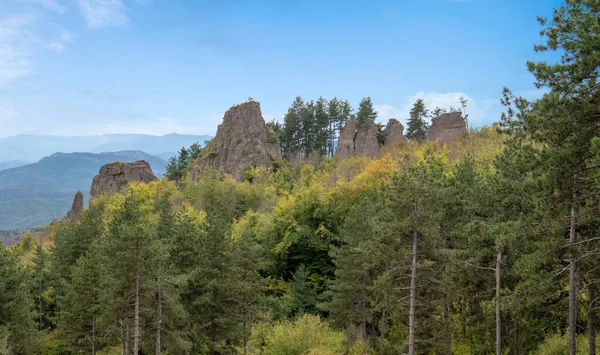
{"points": [[345, 144], [242, 141], [115, 177], [361, 139], [446, 127], [394, 131], [365, 141], [77, 207]]}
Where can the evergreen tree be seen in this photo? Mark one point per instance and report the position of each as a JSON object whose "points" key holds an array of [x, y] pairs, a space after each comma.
{"points": [[81, 305], [17, 325], [321, 126], [417, 125], [366, 113], [291, 139]]}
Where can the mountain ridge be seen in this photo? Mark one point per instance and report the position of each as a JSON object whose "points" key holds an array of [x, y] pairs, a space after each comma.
{"points": [[33, 194]]}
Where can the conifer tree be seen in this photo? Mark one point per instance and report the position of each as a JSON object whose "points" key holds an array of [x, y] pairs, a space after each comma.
{"points": [[417, 126], [17, 316], [366, 114]]}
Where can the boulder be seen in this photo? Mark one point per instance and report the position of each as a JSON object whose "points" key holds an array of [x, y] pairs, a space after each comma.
{"points": [[394, 131], [77, 207], [115, 177], [366, 142], [345, 144], [241, 142], [446, 127]]}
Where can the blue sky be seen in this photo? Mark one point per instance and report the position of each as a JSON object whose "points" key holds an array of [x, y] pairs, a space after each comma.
{"points": [[83, 67]]}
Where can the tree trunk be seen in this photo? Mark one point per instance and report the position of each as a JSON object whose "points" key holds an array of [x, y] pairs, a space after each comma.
{"points": [[364, 311], [592, 318], [94, 336], [136, 322], [383, 320], [572, 290], [127, 338], [122, 337], [159, 310], [447, 320], [498, 320], [41, 325], [413, 294], [448, 329]]}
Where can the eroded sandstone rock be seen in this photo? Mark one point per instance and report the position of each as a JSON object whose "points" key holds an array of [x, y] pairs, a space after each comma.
{"points": [[77, 207], [362, 139], [345, 144], [365, 141], [241, 142], [115, 177], [394, 131], [446, 127]]}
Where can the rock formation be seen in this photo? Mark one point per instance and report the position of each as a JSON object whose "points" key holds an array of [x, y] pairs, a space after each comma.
{"points": [[115, 177], [362, 139], [77, 207], [446, 127], [241, 142], [345, 145], [365, 141], [394, 131]]}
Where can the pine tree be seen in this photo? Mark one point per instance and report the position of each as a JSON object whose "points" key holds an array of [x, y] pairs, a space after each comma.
{"points": [[130, 256], [17, 325], [366, 113], [321, 126], [291, 139], [417, 126], [81, 305]]}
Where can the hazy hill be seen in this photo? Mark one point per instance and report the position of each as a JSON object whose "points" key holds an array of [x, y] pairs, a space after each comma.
{"points": [[12, 164], [32, 148], [33, 194]]}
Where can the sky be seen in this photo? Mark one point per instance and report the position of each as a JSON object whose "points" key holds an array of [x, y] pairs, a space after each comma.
{"points": [[87, 67]]}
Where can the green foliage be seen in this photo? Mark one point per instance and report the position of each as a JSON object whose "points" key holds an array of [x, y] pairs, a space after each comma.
{"points": [[306, 335], [557, 344], [366, 114], [17, 324], [417, 126], [177, 166]]}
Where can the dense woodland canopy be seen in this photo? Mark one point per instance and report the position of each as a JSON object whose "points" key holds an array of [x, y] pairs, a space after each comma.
{"points": [[487, 245]]}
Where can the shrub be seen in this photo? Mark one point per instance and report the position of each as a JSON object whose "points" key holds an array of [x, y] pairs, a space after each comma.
{"points": [[307, 335]]}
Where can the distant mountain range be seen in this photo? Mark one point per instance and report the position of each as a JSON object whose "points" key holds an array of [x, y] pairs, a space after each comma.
{"points": [[22, 149], [33, 194]]}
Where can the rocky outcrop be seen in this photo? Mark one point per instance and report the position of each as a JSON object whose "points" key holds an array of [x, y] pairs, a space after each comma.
{"points": [[446, 127], [77, 207], [241, 141], [394, 131], [365, 141], [115, 177], [345, 145]]}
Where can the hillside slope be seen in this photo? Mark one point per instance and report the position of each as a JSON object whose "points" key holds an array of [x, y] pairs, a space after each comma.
{"points": [[33, 194], [32, 148]]}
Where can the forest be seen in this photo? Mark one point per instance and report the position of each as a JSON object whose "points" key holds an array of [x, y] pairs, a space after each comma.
{"points": [[486, 245]]}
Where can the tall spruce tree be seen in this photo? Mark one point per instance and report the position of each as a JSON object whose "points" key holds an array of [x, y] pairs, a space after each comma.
{"points": [[366, 113], [17, 315], [417, 126]]}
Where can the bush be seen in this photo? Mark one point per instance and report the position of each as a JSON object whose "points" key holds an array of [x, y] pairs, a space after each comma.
{"points": [[557, 344], [307, 335]]}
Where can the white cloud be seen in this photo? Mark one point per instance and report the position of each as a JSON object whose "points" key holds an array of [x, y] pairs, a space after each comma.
{"points": [[59, 40], [52, 5], [103, 13], [15, 40], [480, 112]]}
